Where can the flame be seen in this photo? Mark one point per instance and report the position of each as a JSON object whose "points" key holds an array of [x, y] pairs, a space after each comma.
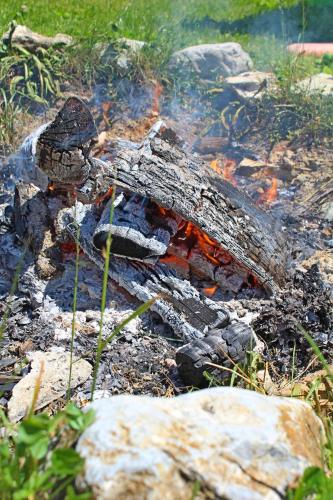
{"points": [[195, 238], [271, 193], [104, 196], [157, 92], [210, 290], [227, 171]]}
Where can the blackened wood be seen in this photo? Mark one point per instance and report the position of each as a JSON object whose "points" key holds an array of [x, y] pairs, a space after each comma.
{"points": [[182, 182], [224, 347], [163, 172], [136, 234], [63, 148], [180, 305]]}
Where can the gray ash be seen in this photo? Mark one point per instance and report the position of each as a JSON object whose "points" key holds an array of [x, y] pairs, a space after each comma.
{"points": [[307, 305]]}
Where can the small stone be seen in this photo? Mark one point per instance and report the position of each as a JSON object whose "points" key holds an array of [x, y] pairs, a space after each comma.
{"points": [[234, 443], [250, 85], [53, 368]]}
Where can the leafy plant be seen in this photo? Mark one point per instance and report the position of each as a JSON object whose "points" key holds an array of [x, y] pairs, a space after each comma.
{"points": [[27, 76], [37, 458]]}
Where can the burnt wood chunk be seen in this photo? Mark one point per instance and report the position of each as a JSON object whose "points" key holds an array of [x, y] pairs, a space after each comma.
{"points": [[225, 347], [179, 181], [135, 234], [62, 149], [180, 305]]}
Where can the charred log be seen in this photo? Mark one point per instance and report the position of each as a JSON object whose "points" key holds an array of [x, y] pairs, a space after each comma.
{"points": [[180, 305], [222, 347], [163, 172]]}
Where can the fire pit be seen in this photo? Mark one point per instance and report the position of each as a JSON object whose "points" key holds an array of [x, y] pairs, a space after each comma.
{"points": [[180, 232]]}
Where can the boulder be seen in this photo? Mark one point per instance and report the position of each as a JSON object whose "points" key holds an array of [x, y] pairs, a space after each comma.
{"points": [[53, 370], [212, 60], [227, 442], [32, 41], [320, 83], [250, 85]]}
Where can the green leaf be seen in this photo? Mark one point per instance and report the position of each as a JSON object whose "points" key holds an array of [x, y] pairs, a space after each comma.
{"points": [[314, 483], [66, 462], [71, 495]]}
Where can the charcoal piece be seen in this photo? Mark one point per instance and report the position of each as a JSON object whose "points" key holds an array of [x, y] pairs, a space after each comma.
{"points": [[221, 346], [133, 235], [31, 215], [180, 305]]}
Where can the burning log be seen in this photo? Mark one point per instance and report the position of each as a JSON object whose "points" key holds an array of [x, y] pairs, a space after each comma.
{"points": [[161, 171], [180, 304]]}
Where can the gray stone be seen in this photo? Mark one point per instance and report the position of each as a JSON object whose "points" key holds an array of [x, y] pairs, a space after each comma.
{"points": [[250, 85], [320, 83], [53, 370], [232, 442], [210, 61], [31, 41], [119, 52]]}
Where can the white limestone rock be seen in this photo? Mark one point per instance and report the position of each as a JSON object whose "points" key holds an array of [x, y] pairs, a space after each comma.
{"points": [[250, 85], [212, 60], [320, 83], [232, 442], [32, 41], [53, 369]]}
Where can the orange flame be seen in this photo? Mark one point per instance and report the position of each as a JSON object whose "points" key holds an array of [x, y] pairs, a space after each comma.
{"points": [[157, 92], [271, 193], [210, 290], [104, 196], [227, 171]]}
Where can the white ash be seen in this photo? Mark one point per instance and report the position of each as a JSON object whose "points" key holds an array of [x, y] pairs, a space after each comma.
{"points": [[88, 323]]}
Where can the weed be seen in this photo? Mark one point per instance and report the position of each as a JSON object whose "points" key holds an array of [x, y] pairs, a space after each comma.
{"points": [[36, 455]]}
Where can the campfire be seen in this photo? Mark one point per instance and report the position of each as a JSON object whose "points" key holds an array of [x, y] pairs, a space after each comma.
{"points": [[183, 232]]}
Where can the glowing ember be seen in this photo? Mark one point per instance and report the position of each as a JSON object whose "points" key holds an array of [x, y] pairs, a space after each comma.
{"points": [[215, 166], [157, 92], [105, 196], [271, 194], [193, 237], [174, 260], [227, 171], [68, 248], [210, 290]]}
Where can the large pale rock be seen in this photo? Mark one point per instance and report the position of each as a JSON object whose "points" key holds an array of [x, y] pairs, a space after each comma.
{"points": [[320, 83], [32, 41], [250, 85], [235, 444], [53, 370], [211, 60]]}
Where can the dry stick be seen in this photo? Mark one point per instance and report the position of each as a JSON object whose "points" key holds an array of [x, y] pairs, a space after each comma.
{"points": [[103, 299], [36, 390], [246, 379], [76, 284]]}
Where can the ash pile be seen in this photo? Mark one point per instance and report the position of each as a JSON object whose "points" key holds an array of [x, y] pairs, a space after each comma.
{"points": [[222, 274]]}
